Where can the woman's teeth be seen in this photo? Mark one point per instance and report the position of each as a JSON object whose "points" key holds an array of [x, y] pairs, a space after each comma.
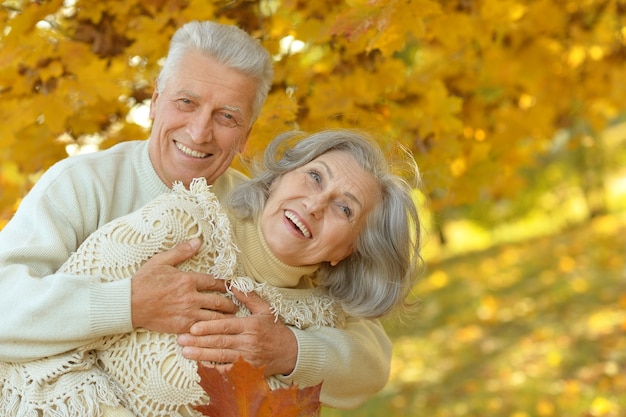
{"points": [[294, 219]]}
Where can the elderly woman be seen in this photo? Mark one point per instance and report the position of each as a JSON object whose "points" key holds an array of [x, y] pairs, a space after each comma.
{"points": [[325, 233]]}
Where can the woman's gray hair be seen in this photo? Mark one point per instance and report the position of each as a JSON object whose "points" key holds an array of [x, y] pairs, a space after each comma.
{"points": [[230, 46], [379, 275]]}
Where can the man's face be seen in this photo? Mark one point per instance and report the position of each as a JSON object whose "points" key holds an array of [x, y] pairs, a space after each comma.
{"points": [[201, 120]]}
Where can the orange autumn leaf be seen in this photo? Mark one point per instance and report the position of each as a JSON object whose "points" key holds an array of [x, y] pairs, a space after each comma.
{"points": [[242, 391]]}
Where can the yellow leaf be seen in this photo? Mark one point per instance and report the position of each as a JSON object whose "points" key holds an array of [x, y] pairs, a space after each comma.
{"points": [[458, 167], [10, 174], [566, 264], [25, 22], [438, 279], [545, 408], [602, 406], [488, 308]]}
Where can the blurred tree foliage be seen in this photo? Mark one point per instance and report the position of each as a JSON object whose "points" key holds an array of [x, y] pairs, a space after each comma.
{"points": [[477, 89], [525, 329]]}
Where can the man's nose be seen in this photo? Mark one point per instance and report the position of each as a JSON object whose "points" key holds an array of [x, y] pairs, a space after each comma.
{"points": [[200, 129]]}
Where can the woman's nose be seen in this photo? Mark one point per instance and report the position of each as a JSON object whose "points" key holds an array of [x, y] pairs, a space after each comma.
{"points": [[315, 204]]}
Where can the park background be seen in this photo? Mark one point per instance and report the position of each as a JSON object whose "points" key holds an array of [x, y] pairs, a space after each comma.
{"points": [[514, 110]]}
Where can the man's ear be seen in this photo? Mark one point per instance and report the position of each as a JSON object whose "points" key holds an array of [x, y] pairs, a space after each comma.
{"points": [[155, 96]]}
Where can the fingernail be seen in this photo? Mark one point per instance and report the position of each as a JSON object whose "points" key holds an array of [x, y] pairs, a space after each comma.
{"points": [[194, 243]]}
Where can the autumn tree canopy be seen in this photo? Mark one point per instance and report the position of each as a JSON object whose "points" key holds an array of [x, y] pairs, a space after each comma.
{"points": [[477, 89]]}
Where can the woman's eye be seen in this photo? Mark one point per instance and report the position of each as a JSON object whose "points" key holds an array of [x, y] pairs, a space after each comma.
{"points": [[315, 176], [347, 211]]}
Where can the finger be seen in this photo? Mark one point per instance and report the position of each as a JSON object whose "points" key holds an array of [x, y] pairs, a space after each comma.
{"points": [[214, 348], [210, 283], [222, 368], [178, 253], [210, 355], [217, 302], [224, 326], [253, 302], [211, 315]]}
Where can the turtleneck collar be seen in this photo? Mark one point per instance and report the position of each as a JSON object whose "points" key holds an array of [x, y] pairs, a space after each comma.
{"points": [[260, 263]]}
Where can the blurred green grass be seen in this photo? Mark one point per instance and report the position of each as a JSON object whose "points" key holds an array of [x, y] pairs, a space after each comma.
{"points": [[528, 329]]}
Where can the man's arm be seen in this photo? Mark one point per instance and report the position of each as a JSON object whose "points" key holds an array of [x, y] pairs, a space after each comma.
{"points": [[46, 313], [352, 363]]}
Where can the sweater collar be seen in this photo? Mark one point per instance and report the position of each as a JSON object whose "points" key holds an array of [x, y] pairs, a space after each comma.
{"points": [[150, 179], [260, 263]]}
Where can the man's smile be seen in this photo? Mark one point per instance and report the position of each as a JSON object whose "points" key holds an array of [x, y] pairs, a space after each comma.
{"points": [[190, 152]]}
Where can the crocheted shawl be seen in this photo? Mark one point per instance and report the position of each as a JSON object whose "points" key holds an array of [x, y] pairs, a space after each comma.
{"points": [[143, 373]]}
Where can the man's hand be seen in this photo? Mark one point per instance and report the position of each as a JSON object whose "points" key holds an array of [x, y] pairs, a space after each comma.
{"points": [[167, 300], [259, 339]]}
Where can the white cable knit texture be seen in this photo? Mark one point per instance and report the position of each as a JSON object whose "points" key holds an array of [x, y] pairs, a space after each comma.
{"points": [[143, 373]]}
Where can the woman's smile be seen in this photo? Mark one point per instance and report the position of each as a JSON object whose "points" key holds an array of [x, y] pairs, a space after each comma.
{"points": [[297, 223]]}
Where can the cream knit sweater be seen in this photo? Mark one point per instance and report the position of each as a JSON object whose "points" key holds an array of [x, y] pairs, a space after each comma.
{"points": [[144, 373]]}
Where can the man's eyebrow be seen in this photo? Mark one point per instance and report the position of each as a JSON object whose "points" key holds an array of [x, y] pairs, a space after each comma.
{"points": [[233, 108], [347, 194], [187, 93], [197, 97]]}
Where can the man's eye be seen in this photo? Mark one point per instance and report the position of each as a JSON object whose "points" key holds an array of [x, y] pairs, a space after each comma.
{"points": [[185, 104], [227, 119]]}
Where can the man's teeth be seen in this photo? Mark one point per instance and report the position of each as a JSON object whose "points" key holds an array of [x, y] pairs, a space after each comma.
{"points": [[190, 152], [298, 223]]}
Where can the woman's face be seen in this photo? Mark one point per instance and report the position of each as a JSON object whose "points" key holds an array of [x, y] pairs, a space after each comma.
{"points": [[316, 212]]}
